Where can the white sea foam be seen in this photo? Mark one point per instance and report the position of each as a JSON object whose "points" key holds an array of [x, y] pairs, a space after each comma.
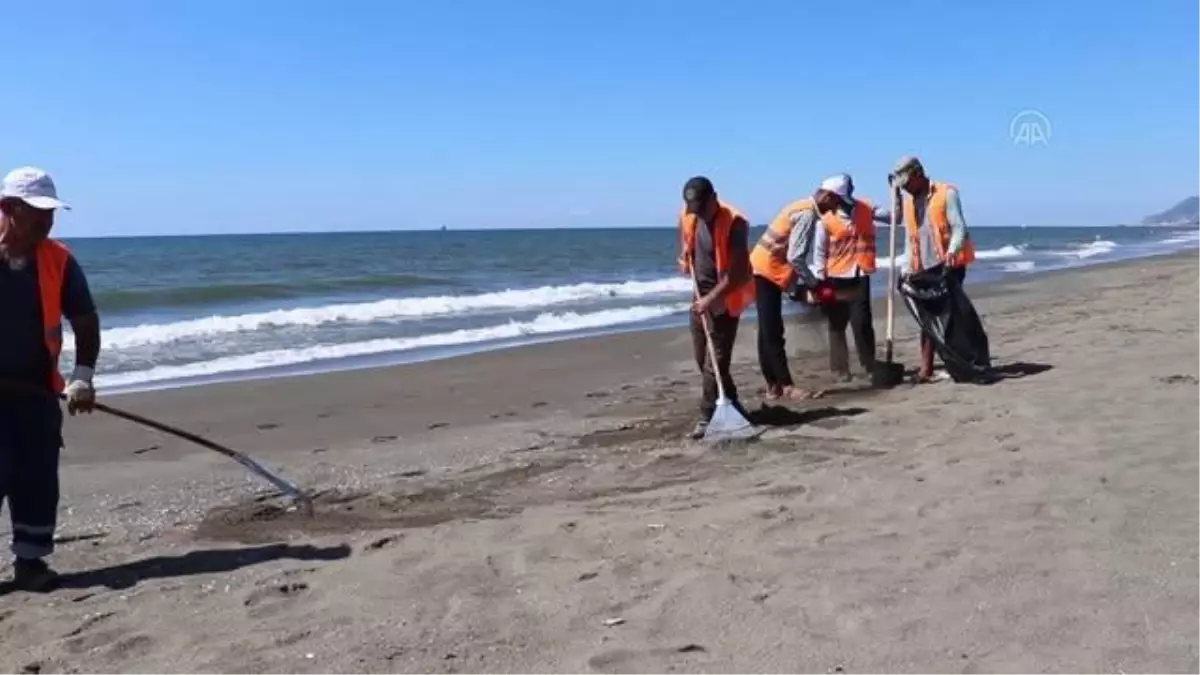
{"points": [[1190, 237], [1089, 250], [1008, 251], [543, 324], [398, 309], [1001, 253], [1019, 266]]}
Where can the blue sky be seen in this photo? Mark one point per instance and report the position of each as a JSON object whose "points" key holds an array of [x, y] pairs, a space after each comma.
{"points": [[222, 116]]}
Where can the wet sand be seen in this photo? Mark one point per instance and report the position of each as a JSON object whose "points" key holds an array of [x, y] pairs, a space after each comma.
{"points": [[537, 510]]}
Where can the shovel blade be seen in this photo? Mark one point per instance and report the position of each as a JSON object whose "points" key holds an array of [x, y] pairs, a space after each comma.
{"points": [[887, 374]]}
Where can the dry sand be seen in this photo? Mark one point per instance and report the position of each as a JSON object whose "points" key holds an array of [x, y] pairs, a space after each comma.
{"points": [[536, 510]]}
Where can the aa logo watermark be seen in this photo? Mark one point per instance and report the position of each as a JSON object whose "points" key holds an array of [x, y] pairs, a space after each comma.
{"points": [[1030, 127]]}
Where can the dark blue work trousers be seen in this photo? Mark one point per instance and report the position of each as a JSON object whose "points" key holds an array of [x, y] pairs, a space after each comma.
{"points": [[30, 441]]}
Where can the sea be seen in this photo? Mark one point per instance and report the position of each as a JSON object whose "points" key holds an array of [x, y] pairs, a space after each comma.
{"points": [[180, 311]]}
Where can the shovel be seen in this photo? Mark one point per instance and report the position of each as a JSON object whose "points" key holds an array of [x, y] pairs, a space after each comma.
{"points": [[727, 422], [886, 373]]}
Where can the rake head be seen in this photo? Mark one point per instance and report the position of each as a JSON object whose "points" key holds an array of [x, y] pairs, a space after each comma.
{"points": [[728, 424]]}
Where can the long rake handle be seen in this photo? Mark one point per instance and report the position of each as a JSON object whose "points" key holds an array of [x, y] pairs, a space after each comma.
{"points": [[282, 484], [708, 340], [287, 487]]}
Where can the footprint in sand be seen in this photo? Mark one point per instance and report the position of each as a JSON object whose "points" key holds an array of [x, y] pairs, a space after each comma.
{"points": [[1179, 379], [794, 490], [383, 439], [133, 647], [266, 426], [95, 634], [383, 542], [293, 638], [275, 597], [89, 622], [628, 660]]}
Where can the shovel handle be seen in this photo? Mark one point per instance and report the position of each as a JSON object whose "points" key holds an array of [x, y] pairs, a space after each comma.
{"points": [[889, 333]]}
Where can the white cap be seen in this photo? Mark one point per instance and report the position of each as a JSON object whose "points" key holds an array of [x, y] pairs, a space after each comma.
{"points": [[32, 186], [840, 185]]}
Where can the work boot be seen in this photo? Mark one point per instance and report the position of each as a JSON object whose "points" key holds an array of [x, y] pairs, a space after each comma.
{"points": [[34, 575], [698, 430]]}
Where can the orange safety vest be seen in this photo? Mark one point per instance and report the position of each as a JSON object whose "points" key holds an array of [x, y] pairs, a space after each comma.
{"points": [[769, 257], [51, 269], [737, 299], [850, 246], [935, 214]]}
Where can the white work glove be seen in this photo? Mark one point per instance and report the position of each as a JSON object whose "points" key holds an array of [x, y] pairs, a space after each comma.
{"points": [[81, 395]]}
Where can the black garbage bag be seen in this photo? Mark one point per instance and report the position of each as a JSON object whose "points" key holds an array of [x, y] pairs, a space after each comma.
{"points": [[942, 309]]}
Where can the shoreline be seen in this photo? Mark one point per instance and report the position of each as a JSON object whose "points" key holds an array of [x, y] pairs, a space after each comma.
{"points": [[414, 357], [407, 358]]}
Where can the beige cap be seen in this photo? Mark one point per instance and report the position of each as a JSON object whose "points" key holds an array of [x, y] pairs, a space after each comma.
{"points": [[905, 166]]}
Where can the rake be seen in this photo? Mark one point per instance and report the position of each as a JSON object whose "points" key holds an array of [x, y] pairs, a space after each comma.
{"points": [[727, 422]]}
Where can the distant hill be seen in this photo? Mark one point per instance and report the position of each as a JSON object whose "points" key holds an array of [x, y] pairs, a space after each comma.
{"points": [[1186, 212]]}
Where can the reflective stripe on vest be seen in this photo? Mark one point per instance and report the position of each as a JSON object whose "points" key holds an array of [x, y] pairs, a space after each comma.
{"points": [[737, 299], [850, 247], [51, 269], [769, 257], [936, 217]]}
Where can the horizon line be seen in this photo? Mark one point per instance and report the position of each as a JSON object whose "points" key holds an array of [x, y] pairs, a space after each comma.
{"points": [[275, 233]]}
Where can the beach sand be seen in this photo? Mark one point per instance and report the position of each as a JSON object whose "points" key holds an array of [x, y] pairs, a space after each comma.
{"points": [[535, 509]]}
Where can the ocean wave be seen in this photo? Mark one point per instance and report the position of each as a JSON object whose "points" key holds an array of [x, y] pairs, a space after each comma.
{"points": [[543, 324], [1189, 237], [1089, 250], [1008, 251], [398, 309], [1019, 266], [135, 298]]}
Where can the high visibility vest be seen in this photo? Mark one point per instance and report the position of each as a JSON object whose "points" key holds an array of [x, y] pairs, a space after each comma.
{"points": [[850, 246], [52, 259], [768, 259], [737, 299], [935, 215]]}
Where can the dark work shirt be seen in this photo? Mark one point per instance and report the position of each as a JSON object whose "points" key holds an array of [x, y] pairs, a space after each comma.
{"points": [[705, 256], [23, 355]]}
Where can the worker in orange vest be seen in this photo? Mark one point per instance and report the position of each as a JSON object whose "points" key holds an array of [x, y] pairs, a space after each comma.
{"points": [[714, 249], [837, 258], [937, 233], [775, 277], [40, 283]]}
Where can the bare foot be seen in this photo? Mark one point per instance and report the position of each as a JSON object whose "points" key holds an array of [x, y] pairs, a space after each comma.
{"points": [[931, 377], [799, 394]]}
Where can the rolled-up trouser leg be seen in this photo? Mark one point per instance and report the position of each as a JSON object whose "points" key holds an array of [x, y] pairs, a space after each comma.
{"points": [[31, 453]]}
